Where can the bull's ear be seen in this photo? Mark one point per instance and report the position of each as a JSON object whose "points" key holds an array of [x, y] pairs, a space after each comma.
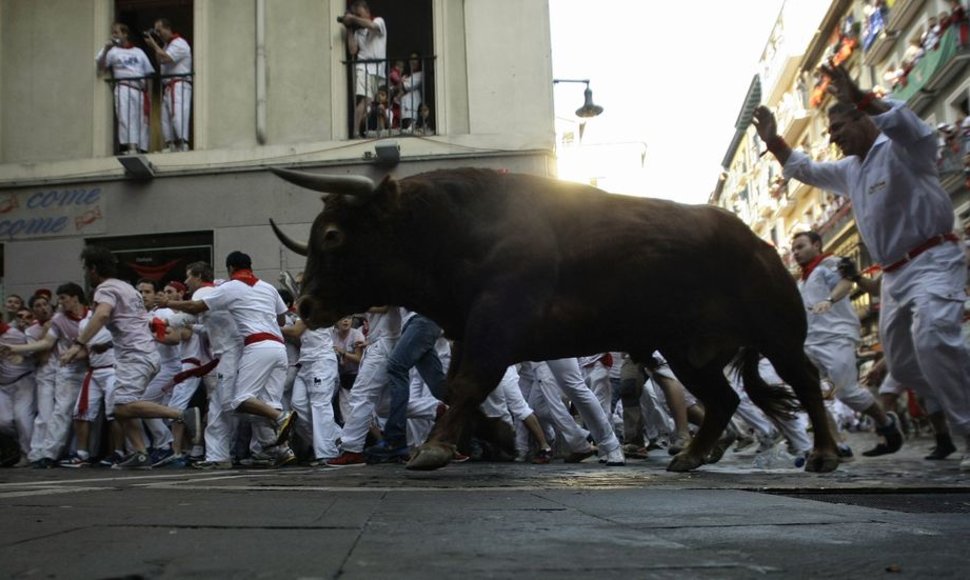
{"points": [[391, 189]]}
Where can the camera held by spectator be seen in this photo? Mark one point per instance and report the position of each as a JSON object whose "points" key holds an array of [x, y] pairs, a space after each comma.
{"points": [[150, 33], [847, 268], [351, 23]]}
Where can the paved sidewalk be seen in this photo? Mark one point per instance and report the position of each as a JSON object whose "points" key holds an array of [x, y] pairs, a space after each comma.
{"points": [[492, 521]]}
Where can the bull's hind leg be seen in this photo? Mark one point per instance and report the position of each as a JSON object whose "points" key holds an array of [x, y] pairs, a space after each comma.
{"points": [[720, 401], [799, 373]]}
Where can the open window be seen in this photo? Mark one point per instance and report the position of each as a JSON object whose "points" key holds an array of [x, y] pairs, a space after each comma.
{"points": [[140, 16], [158, 257], [410, 104]]}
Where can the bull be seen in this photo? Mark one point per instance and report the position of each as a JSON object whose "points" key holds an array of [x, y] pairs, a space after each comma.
{"points": [[518, 267]]}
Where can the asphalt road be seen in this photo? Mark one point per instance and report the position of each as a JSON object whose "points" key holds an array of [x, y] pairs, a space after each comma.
{"points": [[895, 514]]}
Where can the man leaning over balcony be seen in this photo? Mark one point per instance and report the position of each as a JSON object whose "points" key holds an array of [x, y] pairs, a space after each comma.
{"points": [[130, 69], [367, 44], [905, 219], [175, 59]]}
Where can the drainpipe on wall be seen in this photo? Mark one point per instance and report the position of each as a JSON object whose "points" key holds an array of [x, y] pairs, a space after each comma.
{"points": [[261, 72]]}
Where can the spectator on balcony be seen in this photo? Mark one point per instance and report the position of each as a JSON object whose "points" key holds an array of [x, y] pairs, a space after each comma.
{"points": [[12, 304], [175, 59], [379, 117], [905, 218], [412, 87], [912, 55], [424, 125], [931, 36], [130, 69], [367, 44]]}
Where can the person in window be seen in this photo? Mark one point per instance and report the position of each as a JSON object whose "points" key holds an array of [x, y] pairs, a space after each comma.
{"points": [[129, 67], [379, 119], [411, 89], [424, 125], [367, 44], [175, 59]]}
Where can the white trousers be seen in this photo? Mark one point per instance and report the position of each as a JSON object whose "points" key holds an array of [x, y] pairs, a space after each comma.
{"points": [[570, 380], [220, 420], [17, 410], [545, 398], [176, 110], [67, 385], [44, 401], [365, 394], [312, 399], [836, 360], [132, 120], [597, 377], [920, 325], [97, 386]]}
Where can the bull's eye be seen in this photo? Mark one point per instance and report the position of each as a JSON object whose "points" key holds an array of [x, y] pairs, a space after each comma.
{"points": [[332, 237]]}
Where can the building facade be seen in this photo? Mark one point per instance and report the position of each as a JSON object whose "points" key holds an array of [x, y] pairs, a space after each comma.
{"points": [[272, 85]]}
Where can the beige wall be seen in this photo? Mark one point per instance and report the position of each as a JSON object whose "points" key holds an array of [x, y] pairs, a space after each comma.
{"points": [[48, 79], [493, 87]]}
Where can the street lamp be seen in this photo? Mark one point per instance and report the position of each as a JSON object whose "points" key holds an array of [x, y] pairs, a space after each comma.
{"points": [[588, 109]]}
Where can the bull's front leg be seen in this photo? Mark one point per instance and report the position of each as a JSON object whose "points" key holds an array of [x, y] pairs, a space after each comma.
{"points": [[467, 389]]}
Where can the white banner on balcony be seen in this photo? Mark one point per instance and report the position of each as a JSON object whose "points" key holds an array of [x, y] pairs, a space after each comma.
{"points": [[51, 213]]}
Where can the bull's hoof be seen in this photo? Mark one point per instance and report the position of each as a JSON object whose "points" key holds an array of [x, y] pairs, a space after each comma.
{"points": [[431, 456], [821, 462], [685, 462]]}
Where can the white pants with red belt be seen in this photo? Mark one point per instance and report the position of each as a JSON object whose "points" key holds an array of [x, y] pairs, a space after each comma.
{"points": [[132, 116], [176, 110], [920, 319], [98, 386]]}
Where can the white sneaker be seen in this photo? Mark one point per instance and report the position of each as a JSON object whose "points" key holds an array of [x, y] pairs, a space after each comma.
{"points": [[614, 458]]}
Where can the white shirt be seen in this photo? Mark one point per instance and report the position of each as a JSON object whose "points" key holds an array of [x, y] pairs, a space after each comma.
{"points": [[128, 324], [126, 63], [317, 345], [384, 325], [220, 326], [99, 359], [372, 45], [895, 191], [181, 54], [841, 320], [253, 308]]}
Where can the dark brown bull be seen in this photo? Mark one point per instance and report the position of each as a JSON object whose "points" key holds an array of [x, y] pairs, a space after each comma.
{"points": [[517, 267]]}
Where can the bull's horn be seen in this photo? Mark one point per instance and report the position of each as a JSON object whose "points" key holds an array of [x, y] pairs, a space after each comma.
{"points": [[353, 185], [288, 241]]}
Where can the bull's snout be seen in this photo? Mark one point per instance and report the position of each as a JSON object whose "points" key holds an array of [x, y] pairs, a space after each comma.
{"points": [[314, 315]]}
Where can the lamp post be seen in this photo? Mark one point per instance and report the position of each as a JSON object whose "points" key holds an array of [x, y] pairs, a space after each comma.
{"points": [[588, 109]]}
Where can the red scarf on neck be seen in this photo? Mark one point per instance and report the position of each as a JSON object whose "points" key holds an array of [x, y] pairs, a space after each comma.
{"points": [[4, 327], [244, 276], [807, 268], [79, 318]]}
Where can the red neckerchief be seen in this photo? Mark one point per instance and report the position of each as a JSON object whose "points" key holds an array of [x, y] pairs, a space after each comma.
{"points": [[175, 36], [807, 268], [159, 328], [71, 316], [207, 284], [244, 276], [127, 44], [4, 327]]}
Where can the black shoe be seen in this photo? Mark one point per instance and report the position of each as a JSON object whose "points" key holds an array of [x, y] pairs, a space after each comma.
{"points": [[944, 447], [893, 436], [44, 463], [845, 452], [386, 452]]}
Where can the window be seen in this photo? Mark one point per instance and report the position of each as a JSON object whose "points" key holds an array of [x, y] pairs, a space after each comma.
{"points": [[139, 16], [158, 257], [411, 101]]}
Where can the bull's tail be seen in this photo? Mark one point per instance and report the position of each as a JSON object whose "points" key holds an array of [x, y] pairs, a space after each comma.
{"points": [[777, 401]]}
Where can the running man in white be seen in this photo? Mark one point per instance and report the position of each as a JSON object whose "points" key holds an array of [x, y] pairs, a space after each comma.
{"points": [[175, 60], [130, 68], [834, 334], [257, 309], [120, 309], [905, 218]]}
